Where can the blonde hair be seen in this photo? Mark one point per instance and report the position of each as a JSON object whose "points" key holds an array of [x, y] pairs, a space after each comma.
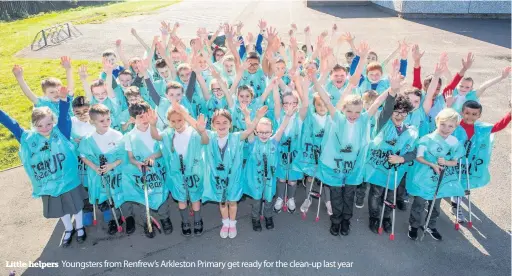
{"points": [[40, 113], [316, 97], [222, 112], [98, 109], [447, 114], [50, 82], [265, 121], [352, 100], [171, 111], [370, 96]]}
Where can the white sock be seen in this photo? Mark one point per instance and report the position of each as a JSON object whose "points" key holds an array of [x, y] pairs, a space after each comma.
{"points": [[232, 223], [66, 220], [79, 223], [225, 222]]}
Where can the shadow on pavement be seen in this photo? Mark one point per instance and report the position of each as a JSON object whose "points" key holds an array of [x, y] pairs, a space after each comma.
{"points": [[352, 11]]}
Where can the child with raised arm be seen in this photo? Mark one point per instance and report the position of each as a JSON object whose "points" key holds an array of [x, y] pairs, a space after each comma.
{"points": [[476, 136], [182, 145], [436, 151], [50, 162], [111, 57], [104, 143], [392, 145], [50, 86], [224, 159], [260, 179], [144, 151]]}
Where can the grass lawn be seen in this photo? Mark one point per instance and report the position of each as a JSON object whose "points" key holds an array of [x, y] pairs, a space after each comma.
{"points": [[17, 35]]}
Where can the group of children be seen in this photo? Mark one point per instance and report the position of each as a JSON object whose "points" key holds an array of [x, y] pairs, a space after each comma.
{"points": [[229, 116]]}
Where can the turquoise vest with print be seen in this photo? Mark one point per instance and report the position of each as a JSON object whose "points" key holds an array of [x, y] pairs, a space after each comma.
{"points": [[470, 96], [388, 142], [288, 151], [144, 93], [480, 150], [133, 181], [114, 112], [82, 168], [124, 118], [198, 103], [382, 86], [211, 106], [422, 180], [223, 181], [262, 159], [334, 92], [225, 76], [418, 119], [121, 99], [160, 87], [163, 107], [238, 118], [311, 142], [439, 104], [185, 174], [51, 163], [258, 81], [112, 180], [54, 106], [342, 159]]}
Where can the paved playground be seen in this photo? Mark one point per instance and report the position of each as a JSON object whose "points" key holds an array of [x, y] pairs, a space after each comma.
{"points": [[484, 250]]}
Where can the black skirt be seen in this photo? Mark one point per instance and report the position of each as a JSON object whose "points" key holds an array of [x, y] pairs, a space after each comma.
{"points": [[70, 203]]}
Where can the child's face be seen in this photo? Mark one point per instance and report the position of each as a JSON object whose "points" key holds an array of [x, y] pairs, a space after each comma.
{"points": [[320, 107], [368, 104], [219, 54], [301, 57], [135, 67], [134, 99], [470, 115], [217, 92], [111, 59], [52, 93], [352, 112], [229, 67], [174, 94], [465, 86], [141, 121], [398, 116], [176, 57], [374, 76], [280, 68], [338, 77], [184, 75], [244, 97], [290, 102], [446, 128], [100, 93], [81, 113], [415, 100], [264, 132], [371, 58], [101, 122], [222, 125], [164, 72], [177, 122], [44, 126], [125, 80], [349, 59], [203, 63], [254, 65]]}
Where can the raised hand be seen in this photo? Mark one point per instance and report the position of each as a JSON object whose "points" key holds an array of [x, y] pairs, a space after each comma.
{"points": [[82, 72], [177, 107], [294, 27], [262, 24], [293, 43], [307, 30], [17, 70], [160, 49], [143, 65], [215, 73], [448, 98], [165, 28], [65, 61], [416, 54], [348, 37], [63, 92], [245, 110], [320, 42], [271, 34], [152, 117], [239, 27], [324, 34], [395, 81], [291, 110], [363, 49], [202, 33], [506, 72], [466, 63], [440, 68], [228, 31], [262, 111], [443, 58], [133, 31], [395, 65], [201, 124], [118, 42], [334, 28]]}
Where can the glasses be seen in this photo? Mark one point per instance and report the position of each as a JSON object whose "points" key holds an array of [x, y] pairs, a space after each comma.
{"points": [[265, 133], [184, 75], [401, 113], [80, 114], [254, 64], [215, 89], [292, 103]]}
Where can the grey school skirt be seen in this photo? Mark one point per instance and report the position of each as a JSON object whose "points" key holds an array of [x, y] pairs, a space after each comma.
{"points": [[71, 203]]}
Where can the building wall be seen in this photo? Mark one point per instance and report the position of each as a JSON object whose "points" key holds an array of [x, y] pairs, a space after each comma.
{"points": [[447, 7]]}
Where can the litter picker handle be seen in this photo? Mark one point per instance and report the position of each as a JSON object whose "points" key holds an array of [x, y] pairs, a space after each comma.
{"points": [[103, 161], [316, 153], [265, 163], [468, 145]]}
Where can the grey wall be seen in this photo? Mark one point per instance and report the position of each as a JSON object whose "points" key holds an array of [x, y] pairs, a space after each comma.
{"points": [[447, 7]]}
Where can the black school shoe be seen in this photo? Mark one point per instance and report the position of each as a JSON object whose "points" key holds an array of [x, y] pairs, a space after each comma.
{"points": [[256, 225], [345, 227], [198, 228], [130, 225], [387, 225], [374, 225], [269, 223], [82, 238], [335, 229], [413, 233], [185, 229], [434, 234], [67, 242], [112, 226], [167, 226]]}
